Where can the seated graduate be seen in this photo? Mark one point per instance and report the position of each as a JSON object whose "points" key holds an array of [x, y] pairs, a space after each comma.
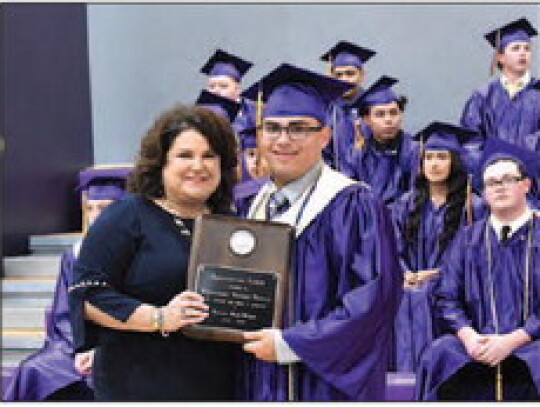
{"points": [[54, 372], [252, 162], [488, 298], [346, 63], [383, 155], [426, 220], [508, 107], [346, 283], [129, 297]]}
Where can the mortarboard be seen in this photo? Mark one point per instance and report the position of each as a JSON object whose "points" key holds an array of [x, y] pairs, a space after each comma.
{"points": [[519, 30], [378, 93], [292, 91], [218, 104], [103, 183], [346, 53], [248, 138], [444, 136], [223, 63]]}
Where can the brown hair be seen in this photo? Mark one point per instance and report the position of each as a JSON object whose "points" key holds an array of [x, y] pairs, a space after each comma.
{"points": [[146, 178]]}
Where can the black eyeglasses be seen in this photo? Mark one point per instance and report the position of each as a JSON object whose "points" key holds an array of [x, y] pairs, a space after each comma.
{"points": [[506, 180], [295, 131]]}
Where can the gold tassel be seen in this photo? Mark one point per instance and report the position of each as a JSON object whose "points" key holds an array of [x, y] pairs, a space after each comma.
{"points": [[493, 67], [359, 138], [499, 384], [468, 203]]}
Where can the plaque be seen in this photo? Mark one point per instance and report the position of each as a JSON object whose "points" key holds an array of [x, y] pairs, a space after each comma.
{"points": [[241, 268]]}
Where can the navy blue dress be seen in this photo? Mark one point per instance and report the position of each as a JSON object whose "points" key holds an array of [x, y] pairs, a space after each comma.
{"points": [[135, 254]]}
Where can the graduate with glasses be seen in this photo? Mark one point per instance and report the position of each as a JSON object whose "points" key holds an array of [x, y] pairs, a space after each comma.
{"points": [[487, 302], [345, 283]]}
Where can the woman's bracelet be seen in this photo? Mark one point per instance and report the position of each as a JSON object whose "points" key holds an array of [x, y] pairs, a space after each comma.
{"points": [[160, 322]]}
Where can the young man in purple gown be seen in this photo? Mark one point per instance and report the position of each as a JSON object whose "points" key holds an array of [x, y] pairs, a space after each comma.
{"points": [[508, 107], [488, 298], [346, 282]]}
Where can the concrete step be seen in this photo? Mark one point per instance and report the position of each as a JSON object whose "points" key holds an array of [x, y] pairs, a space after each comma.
{"points": [[28, 288], [42, 266], [22, 339], [53, 243], [22, 317]]}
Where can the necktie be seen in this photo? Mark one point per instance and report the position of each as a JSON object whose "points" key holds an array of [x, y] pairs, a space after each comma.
{"points": [[277, 204], [505, 233]]}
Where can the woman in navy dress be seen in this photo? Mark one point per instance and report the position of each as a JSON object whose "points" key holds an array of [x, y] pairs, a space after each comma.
{"points": [[129, 295]]}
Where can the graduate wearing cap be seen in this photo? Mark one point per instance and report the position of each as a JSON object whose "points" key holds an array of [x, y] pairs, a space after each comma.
{"points": [[53, 372], [252, 163], [426, 220], [222, 106], [508, 107], [487, 302], [225, 72], [384, 156], [346, 62], [346, 281]]}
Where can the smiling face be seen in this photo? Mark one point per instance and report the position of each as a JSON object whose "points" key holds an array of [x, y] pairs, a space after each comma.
{"points": [[437, 165], [192, 170], [515, 58], [289, 159]]}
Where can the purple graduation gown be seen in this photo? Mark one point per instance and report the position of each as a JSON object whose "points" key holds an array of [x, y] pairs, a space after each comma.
{"points": [[413, 325], [391, 172], [51, 368], [347, 288], [245, 117], [462, 299], [491, 112], [341, 117]]}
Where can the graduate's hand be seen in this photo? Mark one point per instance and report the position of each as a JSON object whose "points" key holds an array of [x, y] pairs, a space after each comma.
{"points": [[495, 349], [473, 342], [83, 362], [261, 344], [499, 347]]}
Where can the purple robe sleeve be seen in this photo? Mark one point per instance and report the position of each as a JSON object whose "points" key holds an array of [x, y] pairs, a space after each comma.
{"points": [[346, 340], [450, 289], [105, 256]]}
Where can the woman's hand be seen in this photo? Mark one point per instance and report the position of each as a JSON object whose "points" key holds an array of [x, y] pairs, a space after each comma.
{"points": [[83, 362], [186, 308]]}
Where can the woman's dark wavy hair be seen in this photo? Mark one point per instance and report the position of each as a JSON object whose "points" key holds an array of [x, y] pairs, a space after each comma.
{"points": [[457, 194], [146, 179]]}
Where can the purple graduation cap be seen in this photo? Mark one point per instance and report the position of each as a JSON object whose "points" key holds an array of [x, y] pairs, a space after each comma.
{"points": [[444, 136], [223, 63], [346, 53], [378, 93], [292, 91], [220, 105], [519, 30], [103, 183], [248, 137]]}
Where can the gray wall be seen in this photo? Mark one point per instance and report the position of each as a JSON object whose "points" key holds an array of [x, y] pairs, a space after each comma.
{"points": [[144, 57]]}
